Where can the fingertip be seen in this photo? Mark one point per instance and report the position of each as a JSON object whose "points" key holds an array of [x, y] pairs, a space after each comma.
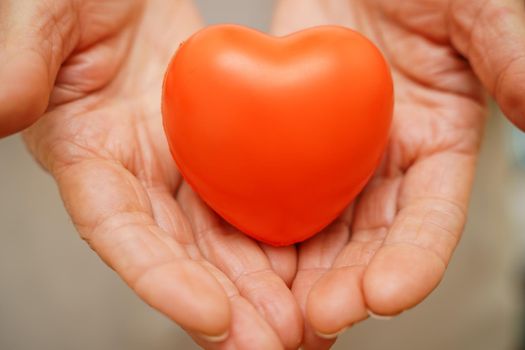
{"points": [[292, 321], [509, 89], [512, 104], [332, 335], [276, 304], [249, 329], [379, 317], [215, 338], [190, 296], [518, 121], [400, 277], [318, 341], [336, 301], [289, 324], [24, 93]]}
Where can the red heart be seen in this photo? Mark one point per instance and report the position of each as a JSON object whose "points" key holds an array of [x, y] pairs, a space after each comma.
{"points": [[278, 135]]}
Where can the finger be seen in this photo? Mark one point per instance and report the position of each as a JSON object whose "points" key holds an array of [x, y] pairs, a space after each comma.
{"points": [[91, 69], [247, 326], [491, 34], [316, 256], [336, 301], [169, 216], [113, 214], [432, 207], [36, 37], [283, 261], [249, 330], [244, 263]]}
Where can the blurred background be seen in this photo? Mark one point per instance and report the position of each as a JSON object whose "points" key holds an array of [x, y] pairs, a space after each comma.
{"points": [[55, 294]]}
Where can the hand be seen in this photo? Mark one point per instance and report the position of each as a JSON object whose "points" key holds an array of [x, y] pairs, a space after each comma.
{"points": [[99, 66], [391, 248]]}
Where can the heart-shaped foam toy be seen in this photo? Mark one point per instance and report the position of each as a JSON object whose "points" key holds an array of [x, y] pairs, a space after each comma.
{"points": [[278, 134]]}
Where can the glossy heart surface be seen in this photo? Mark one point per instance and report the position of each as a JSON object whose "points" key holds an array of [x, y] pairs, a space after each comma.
{"points": [[278, 134]]}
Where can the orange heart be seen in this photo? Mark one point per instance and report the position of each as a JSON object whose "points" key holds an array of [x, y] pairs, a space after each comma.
{"points": [[278, 135]]}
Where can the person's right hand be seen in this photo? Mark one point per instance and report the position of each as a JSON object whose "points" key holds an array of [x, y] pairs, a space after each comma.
{"points": [[95, 67], [391, 249]]}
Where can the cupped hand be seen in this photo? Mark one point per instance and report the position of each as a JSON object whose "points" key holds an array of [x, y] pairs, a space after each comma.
{"points": [[95, 67], [390, 249]]}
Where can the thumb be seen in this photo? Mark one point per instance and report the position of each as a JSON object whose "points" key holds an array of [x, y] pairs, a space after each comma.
{"points": [[491, 35], [35, 38]]}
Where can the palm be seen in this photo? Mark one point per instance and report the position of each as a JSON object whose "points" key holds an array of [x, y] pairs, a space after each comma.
{"points": [[390, 249], [108, 153]]}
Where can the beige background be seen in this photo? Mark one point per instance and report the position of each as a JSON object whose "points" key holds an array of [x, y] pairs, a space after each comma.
{"points": [[55, 294]]}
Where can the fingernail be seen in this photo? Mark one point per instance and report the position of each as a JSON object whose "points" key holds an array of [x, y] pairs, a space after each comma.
{"points": [[379, 317], [331, 336], [215, 338]]}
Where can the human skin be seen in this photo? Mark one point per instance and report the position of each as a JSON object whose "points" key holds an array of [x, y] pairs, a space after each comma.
{"points": [[99, 64], [92, 72], [391, 248]]}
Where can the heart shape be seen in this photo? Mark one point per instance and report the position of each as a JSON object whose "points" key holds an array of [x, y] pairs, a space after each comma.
{"points": [[277, 135]]}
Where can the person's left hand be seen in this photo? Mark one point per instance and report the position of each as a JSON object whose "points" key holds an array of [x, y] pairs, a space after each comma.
{"points": [[391, 248]]}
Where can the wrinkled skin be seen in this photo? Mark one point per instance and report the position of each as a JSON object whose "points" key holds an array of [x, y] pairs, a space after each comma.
{"points": [[96, 66], [391, 248], [102, 140]]}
